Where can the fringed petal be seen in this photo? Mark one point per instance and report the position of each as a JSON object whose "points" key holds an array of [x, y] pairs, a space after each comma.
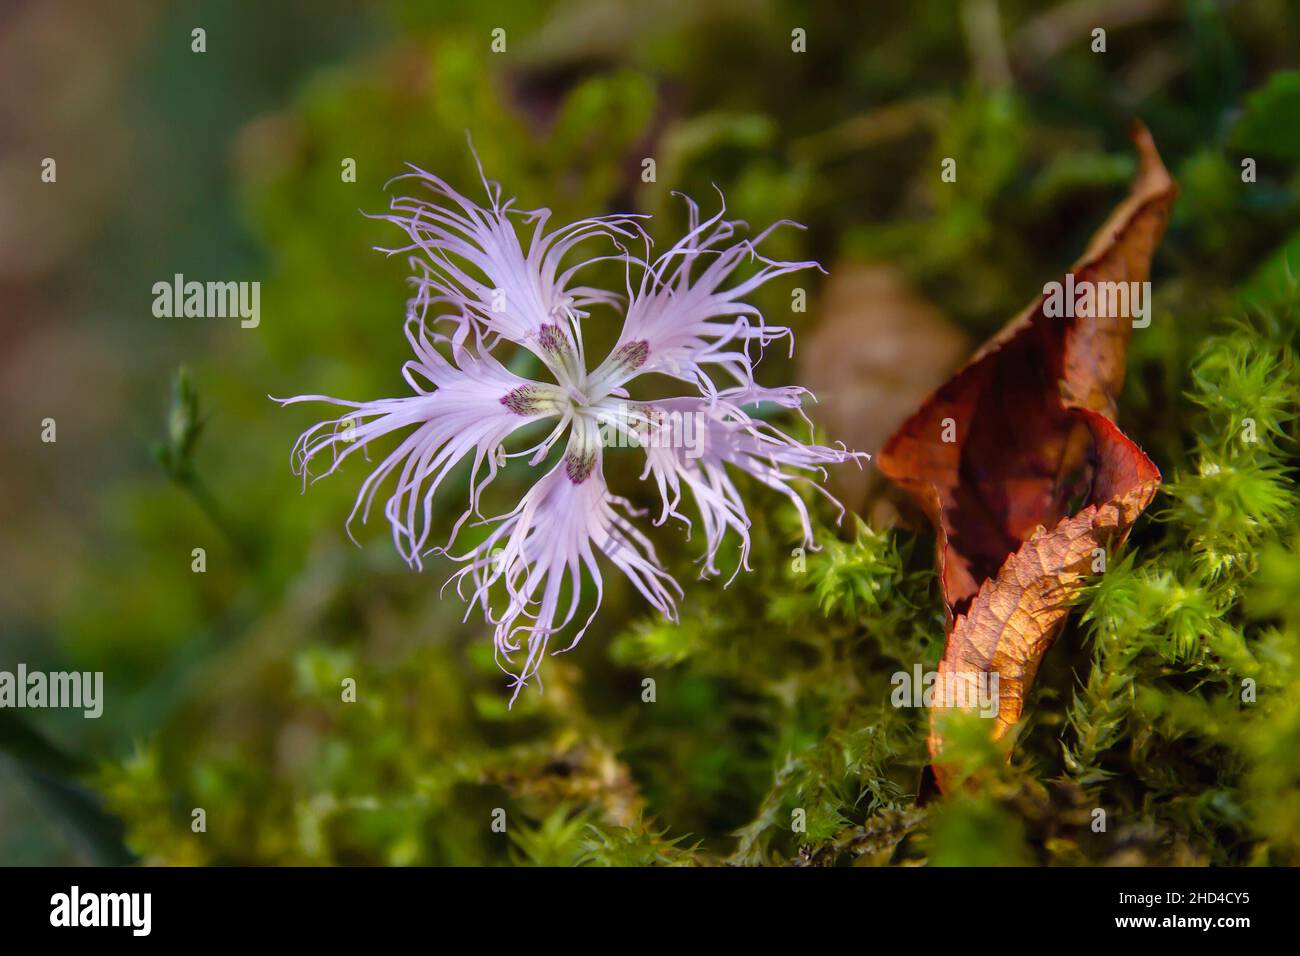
{"points": [[470, 261], [693, 441], [681, 319], [540, 553], [474, 406]]}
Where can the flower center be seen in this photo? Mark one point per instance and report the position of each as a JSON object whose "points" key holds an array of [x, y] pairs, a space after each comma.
{"points": [[578, 397]]}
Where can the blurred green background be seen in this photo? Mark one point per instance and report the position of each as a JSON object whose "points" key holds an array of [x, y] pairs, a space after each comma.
{"points": [[223, 687]]}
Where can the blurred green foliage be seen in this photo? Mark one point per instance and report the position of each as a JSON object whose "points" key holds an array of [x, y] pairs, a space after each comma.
{"points": [[771, 698]]}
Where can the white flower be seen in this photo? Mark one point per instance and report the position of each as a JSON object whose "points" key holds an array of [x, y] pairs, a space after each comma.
{"points": [[686, 318]]}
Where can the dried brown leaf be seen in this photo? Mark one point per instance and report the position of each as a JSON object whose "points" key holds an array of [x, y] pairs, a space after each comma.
{"points": [[1020, 467]]}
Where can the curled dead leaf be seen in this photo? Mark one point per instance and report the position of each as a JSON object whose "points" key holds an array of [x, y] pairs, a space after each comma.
{"points": [[1019, 465]]}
